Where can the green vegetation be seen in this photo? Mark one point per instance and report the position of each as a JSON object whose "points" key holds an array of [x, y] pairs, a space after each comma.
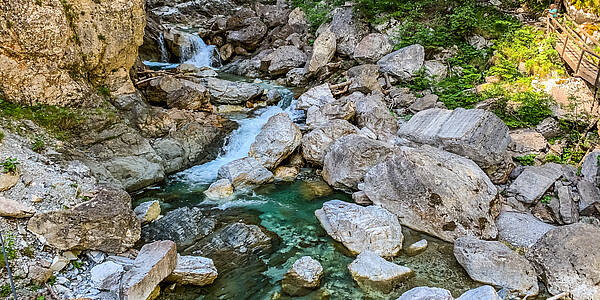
{"points": [[10, 165], [77, 264], [52, 280], [38, 144], [103, 91], [546, 199], [28, 251], [526, 160], [41, 298], [589, 5], [5, 290], [11, 251], [1, 136], [317, 11]]}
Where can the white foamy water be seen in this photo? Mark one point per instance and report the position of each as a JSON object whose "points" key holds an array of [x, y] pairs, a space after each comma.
{"points": [[163, 49], [197, 52]]}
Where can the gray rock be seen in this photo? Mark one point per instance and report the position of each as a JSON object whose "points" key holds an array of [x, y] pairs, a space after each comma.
{"points": [[426, 293], [494, 263], [434, 191], [193, 270], [153, 264], [549, 128], [219, 189], [527, 141], [323, 50], [304, 276], [569, 211], [373, 114], [427, 102], [375, 274], [13, 209], [316, 142], [245, 173], [363, 79], [178, 93], [278, 138], [229, 92], [567, 260], [478, 42], [316, 96], [534, 182], [337, 110], [416, 247], [361, 198], [107, 276], [435, 70], [521, 229], [372, 48], [250, 34], [590, 169], [296, 77], [349, 158], [185, 226], [360, 228], [403, 63], [348, 29], [283, 59], [148, 211], [589, 198], [485, 292]]}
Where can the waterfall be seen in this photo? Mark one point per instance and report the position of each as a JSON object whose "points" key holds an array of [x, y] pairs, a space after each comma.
{"points": [[196, 52], [163, 50]]}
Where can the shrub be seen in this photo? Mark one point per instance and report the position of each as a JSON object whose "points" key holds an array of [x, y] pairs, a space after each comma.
{"points": [[526, 160], [9, 246], [10, 165], [523, 109], [38, 145]]}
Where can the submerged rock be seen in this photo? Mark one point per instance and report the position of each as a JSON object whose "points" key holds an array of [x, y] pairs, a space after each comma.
{"points": [[494, 263], [426, 293], [316, 142], [245, 173], [375, 274], [304, 276], [417, 247], [193, 270], [185, 226], [434, 191], [278, 138], [403, 63], [360, 228]]}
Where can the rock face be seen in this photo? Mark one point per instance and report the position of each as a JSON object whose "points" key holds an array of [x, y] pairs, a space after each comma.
{"points": [[426, 293], [348, 29], [285, 58], [105, 223], [153, 264], [81, 39], [245, 173], [304, 276], [485, 292], [373, 273], [494, 263], [434, 191], [278, 138], [372, 48], [193, 270], [521, 229], [316, 142], [360, 228], [323, 50], [567, 260], [107, 276], [178, 93], [373, 114], [229, 92], [534, 182], [349, 158], [474, 133], [316, 96], [403, 63]]}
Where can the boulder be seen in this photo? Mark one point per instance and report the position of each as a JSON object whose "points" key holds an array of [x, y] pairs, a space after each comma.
{"points": [[403, 63], [316, 142], [148, 211], [361, 198], [286, 173], [278, 138], [153, 264], [533, 182], [229, 92], [360, 228], [527, 141], [436, 192], [245, 173], [520, 229], [568, 209], [296, 77], [372, 48], [249, 34], [107, 276], [106, 223], [337, 110], [219, 189], [375, 274], [304, 276], [435, 70], [184, 226], [178, 93], [416, 247], [567, 260], [348, 29], [473, 133], [549, 128], [590, 169], [193, 270], [316, 96], [426, 293], [364, 78], [589, 198], [349, 158], [485, 292], [284, 59], [426, 102], [297, 20], [323, 50], [273, 15], [38, 274], [8, 181], [373, 114], [492, 262], [13, 209]]}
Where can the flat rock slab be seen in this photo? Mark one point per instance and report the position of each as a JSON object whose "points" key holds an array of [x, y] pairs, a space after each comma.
{"points": [[193, 270], [360, 228], [373, 273], [532, 183], [521, 229], [426, 293]]}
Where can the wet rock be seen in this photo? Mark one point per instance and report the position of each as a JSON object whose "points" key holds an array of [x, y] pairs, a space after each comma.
{"points": [[148, 211], [284, 59], [426, 293], [567, 260], [403, 63], [229, 92], [323, 50], [337, 110], [474, 133], [373, 273], [494, 263], [316, 142], [485, 292], [184, 226], [316, 96], [372, 48], [178, 93], [14, 209], [360, 228], [304, 276], [278, 138], [527, 141], [107, 276], [250, 33], [348, 29], [106, 223], [219, 189], [427, 102], [245, 173], [590, 169], [363, 79], [520, 229], [589, 198], [153, 264], [193, 270], [373, 114], [434, 191], [534, 182], [416, 247], [286, 173], [349, 158]]}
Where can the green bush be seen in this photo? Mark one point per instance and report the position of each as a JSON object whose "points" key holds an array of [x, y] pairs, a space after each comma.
{"points": [[10, 165], [317, 11], [9, 246], [38, 145], [526, 160], [523, 109]]}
